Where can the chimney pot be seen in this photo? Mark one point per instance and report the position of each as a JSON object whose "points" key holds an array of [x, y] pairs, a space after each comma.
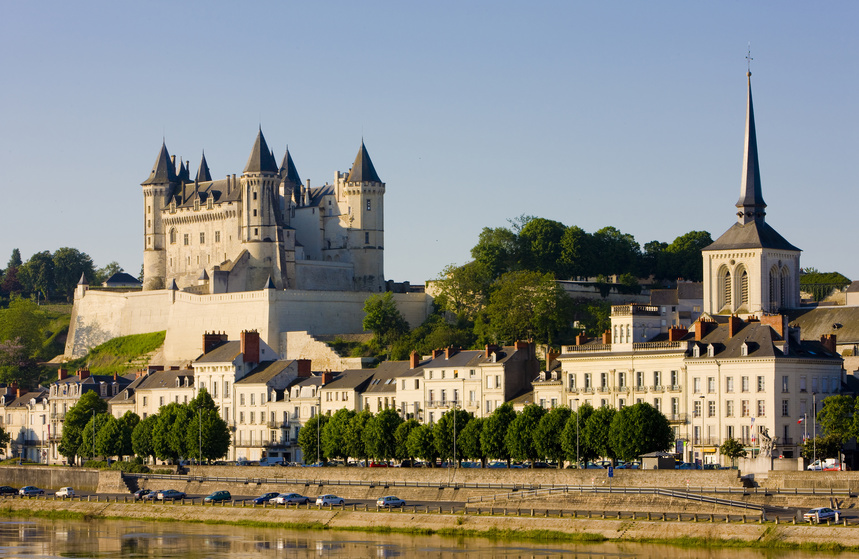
{"points": [[304, 367], [62, 374], [414, 360]]}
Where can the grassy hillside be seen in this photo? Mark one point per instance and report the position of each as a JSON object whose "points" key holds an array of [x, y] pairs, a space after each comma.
{"points": [[119, 355]]}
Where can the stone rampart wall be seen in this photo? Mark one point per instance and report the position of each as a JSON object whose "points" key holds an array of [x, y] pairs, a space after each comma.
{"points": [[50, 479], [808, 480]]}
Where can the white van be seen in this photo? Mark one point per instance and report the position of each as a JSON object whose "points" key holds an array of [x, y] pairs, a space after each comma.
{"points": [[271, 461], [66, 492]]}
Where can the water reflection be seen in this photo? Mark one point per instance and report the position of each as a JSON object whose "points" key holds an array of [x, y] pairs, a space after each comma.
{"points": [[46, 539]]}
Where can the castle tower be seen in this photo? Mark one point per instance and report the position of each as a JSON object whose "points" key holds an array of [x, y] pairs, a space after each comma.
{"points": [[157, 190], [261, 215], [750, 269], [364, 193]]}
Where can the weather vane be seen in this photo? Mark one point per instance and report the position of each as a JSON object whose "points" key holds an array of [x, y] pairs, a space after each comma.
{"points": [[749, 59]]}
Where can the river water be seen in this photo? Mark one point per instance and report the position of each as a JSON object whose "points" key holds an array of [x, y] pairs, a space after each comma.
{"points": [[108, 539]]}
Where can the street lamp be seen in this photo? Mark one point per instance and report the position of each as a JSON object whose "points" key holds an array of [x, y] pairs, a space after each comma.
{"points": [[454, 432], [814, 425], [318, 413], [200, 426], [701, 397], [93, 433], [578, 460]]}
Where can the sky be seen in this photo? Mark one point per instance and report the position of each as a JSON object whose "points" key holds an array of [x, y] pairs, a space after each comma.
{"points": [[624, 114]]}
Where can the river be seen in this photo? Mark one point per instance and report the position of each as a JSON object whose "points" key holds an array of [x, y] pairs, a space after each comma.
{"points": [[109, 539]]}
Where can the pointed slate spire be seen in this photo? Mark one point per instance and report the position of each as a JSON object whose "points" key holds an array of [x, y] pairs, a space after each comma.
{"points": [[204, 276], [184, 171], [163, 170], [362, 169], [751, 204], [261, 160], [269, 284], [83, 280], [173, 286], [288, 170], [203, 172]]}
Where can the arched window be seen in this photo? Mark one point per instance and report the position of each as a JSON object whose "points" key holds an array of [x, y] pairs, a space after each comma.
{"points": [[173, 236], [775, 285], [744, 288], [785, 287], [725, 288]]}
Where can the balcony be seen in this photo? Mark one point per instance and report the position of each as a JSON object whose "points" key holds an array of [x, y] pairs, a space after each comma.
{"points": [[278, 425], [657, 388], [678, 418], [675, 388], [621, 389], [588, 390], [604, 390], [58, 416], [589, 348]]}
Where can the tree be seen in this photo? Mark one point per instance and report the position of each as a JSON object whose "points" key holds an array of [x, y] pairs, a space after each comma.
{"points": [[401, 435], [127, 424], [383, 318], [463, 290], [837, 417], [527, 306], [142, 437], [333, 436], [578, 257], [21, 327], [448, 430], [596, 432], [618, 252], [540, 245], [732, 449], [354, 437], [75, 421], [380, 434], [492, 441], [15, 259], [108, 436], [520, 435], [93, 429], [208, 433], [163, 433], [468, 443], [69, 265], [821, 447], [308, 437], [684, 257], [421, 443], [548, 435], [11, 284], [572, 439], [16, 365], [639, 429], [496, 250], [105, 273], [4, 437], [37, 274]]}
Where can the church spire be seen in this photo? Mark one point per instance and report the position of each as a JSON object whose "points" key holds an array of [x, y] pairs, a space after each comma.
{"points": [[203, 174], [751, 204]]}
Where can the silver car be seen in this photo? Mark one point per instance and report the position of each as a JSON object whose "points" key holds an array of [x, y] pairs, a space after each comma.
{"points": [[390, 502]]}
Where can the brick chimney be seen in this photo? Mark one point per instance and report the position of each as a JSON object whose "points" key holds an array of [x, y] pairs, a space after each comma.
{"points": [[520, 345], [735, 323], [250, 346], [62, 374], [606, 337], [13, 386], [327, 377], [829, 342], [303, 367], [115, 377], [676, 333], [702, 328], [490, 349], [414, 360], [212, 340], [581, 338], [83, 373], [450, 352], [551, 357], [777, 322], [20, 392], [437, 353]]}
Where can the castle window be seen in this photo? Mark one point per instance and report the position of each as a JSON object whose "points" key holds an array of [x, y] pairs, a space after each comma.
{"points": [[255, 195], [217, 236], [783, 287], [149, 241], [173, 236], [148, 223], [744, 288], [186, 239], [369, 206], [202, 238], [255, 213], [256, 232], [366, 238]]}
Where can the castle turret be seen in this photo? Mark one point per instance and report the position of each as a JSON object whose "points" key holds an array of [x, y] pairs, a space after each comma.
{"points": [[364, 192], [157, 190]]}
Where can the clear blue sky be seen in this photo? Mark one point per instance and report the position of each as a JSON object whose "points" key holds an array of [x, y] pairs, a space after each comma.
{"points": [[628, 114]]}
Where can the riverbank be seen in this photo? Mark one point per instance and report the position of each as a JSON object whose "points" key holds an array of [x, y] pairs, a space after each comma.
{"points": [[702, 532]]}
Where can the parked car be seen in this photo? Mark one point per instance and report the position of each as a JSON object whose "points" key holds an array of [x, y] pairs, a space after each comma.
{"points": [[217, 497], [291, 499], [143, 494], [8, 490], [65, 492], [819, 514], [169, 495], [329, 500], [686, 466], [390, 502], [264, 498], [30, 490], [828, 465]]}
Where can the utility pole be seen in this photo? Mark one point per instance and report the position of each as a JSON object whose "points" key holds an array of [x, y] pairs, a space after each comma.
{"points": [[578, 460]]}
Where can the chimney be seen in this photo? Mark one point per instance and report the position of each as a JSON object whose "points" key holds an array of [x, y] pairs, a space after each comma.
{"points": [[211, 341], [115, 377], [250, 346], [676, 333], [520, 345], [327, 377], [62, 374], [702, 328], [13, 386], [83, 373], [490, 349], [437, 353], [450, 352], [20, 392], [777, 322], [551, 356], [414, 360], [303, 367], [606, 337], [581, 338], [829, 342], [735, 323]]}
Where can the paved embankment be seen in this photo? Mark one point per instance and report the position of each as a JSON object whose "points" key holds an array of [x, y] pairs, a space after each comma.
{"points": [[612, 529]]}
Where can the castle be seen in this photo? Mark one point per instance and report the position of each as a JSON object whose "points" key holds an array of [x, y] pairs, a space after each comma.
{"points": [[240, 233]]}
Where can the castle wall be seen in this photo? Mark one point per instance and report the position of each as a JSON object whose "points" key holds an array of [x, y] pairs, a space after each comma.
{"points": [[326, 276], [100, 316]]}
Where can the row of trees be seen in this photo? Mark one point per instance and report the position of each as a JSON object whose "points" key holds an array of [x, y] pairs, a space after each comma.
{"points": [[193, 430], [51, 276], [559, 434]]}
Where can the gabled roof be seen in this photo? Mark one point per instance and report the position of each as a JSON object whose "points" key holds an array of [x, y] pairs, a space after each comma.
{"points": [[261, 160], [121, 278], [163, 171], [224, 353], [760, 342], [354, 379], [362, 168], [814, 322], [165, 379], [265, 371], [755, 234]]}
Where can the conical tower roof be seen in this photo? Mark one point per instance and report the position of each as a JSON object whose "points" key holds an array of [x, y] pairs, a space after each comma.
{"points": [[288, 170], [751, 204], [203, 172], [163, 170], [261, 160], [362, 168]]}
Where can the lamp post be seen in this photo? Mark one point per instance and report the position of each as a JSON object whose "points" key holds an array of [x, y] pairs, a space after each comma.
{"points": [[578, 460], [318, 413], [454, 432], [814, 425], [701, 397], [93, 433], [200, 426]]}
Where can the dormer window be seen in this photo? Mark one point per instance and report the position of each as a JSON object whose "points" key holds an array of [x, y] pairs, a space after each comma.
{"points": [[744, 349], [711, 351], [696, 351]]}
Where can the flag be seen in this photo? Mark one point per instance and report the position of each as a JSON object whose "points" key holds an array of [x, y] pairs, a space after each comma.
{"points": [[800, 420]]}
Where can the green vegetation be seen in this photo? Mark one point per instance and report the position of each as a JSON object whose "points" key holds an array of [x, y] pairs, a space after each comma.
{"points": [[29, 334], [119, 354], [821, 284]]}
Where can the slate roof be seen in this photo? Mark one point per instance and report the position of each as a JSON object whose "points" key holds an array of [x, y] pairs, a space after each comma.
{"points": [[224, 353], [354, 379], [755, 234], [24, 399], [165, 379], [470, 358], [751, 195], [288, 172], [760, 340], [163, 171], [362, 168], [814, 322], [203, 174], [121, 278], [265, 371], [261, 159]]}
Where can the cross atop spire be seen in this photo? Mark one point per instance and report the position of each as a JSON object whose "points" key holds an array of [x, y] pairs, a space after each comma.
{"points": [[749, 60], [751, 204]]}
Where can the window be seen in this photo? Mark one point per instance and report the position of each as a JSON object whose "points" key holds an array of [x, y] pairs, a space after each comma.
{"points": [[144, 401], [675, 407], [498, 381], [621, 379], [255, 195], [657, 378], [202, 238], [675, 379], [729, 384], [252, 400], [711, 408], [369, 205], [802, 386], [366, 238], [657, 404], [785, 408], [161, 401], [729, 408], [241, 417], [255, 213], [744, 408], [729, 432], [761, 384], [241, 399], [217, 236], [186, 240], [814, 384], [226, 389], [761, 408], [587, 380], [745, 381], [639, 379], [417, 384], [603, 380], [696, 385], [620, 403], [430, 394], [711, 384], [214, 389], [697, 410], [172, 236], [785, 384], [572, 381]]}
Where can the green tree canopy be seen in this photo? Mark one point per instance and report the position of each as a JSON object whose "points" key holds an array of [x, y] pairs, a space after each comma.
{"points": [[449, 428], [421, 444], [572, 438], [683, 257], [463, 290], [108, 438], [4, 439], [496, 250], [596, 432], [837, 416], [541, 246], [163, 434], [639, 429], [380, 434], [127, 423], [75, 421], [95, 426], [354, 436], [493, 440], [206, 433], [401, 435], [548, 437], [469, 441], [527, 306], [520, 434], [142, 441], [732, 449], [69, 264], [382, 317], [333, 436], [578, 253], [310, 433]]}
